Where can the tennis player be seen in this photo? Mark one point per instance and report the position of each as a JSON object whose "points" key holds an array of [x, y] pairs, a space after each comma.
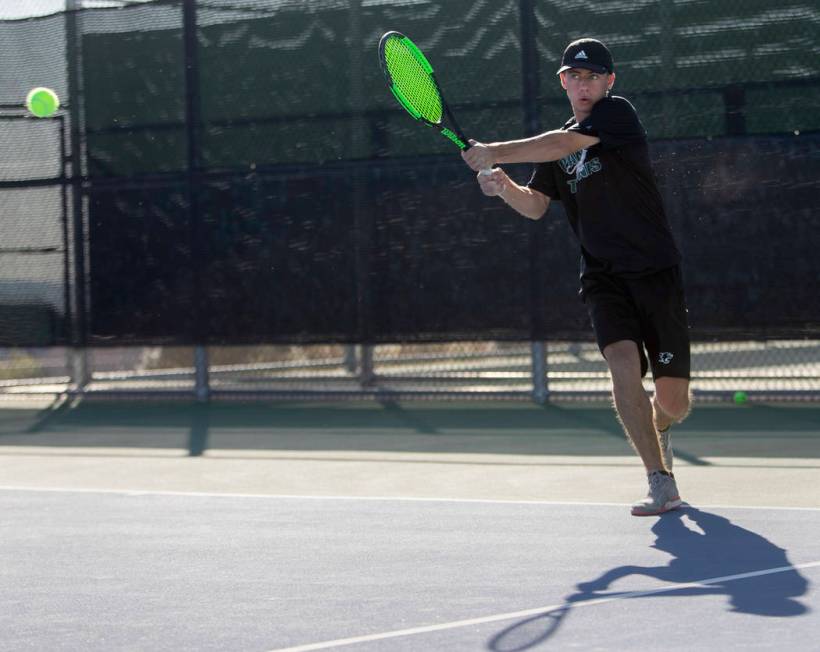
{"points": [[598, 165]]}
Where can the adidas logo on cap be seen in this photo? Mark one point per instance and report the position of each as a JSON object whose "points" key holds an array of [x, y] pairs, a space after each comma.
{"points": [[587, 53]]}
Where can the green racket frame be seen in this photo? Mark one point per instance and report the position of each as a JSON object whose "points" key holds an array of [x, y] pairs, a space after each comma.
{"points": [[415, 87]]}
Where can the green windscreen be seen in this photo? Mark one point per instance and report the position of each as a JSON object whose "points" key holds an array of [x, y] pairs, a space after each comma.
{"points": [[411, 77]]}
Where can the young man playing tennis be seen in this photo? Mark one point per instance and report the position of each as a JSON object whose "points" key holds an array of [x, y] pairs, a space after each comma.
{"points": [[598, 165]]}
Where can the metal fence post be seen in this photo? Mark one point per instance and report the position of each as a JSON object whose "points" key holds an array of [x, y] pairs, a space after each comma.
{"points": [[78, 368], [202, 387], [734, 100], [78, 317], [360, 213], [530, 80], [350, 359], [193, 121], [530, 89], [540, 389], [358, 361], [666, 48], [366, 364]]}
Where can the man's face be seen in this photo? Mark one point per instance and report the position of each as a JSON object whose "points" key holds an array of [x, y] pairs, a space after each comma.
{"points": [[585, 87]]}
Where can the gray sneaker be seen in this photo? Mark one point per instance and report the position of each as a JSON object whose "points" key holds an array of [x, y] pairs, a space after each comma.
{"points": [[663, 496], [665, 437]]}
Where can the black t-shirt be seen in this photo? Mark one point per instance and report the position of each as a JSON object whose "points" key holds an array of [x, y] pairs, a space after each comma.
{"points": [[610, 195]]}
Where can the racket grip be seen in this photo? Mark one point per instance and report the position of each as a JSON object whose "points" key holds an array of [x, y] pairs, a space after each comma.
{"points": [[483, 172]]}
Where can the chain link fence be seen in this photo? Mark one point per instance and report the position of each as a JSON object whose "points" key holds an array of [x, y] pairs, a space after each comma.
{"points": [[248, 180], [779, 370]]}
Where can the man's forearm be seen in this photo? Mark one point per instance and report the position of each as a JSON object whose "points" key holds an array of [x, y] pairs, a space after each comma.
{"points": [[523, 200], [549, 146]]}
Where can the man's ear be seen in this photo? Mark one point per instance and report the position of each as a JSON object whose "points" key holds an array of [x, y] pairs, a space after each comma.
{"points": [[563, 80], [611, 81]]}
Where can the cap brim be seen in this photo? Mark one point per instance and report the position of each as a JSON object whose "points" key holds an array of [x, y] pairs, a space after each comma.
{"points": [[586, 66]]}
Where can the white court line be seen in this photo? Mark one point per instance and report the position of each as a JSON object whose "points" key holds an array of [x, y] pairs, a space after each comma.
{"points": [[412, 499], [324, 645]]}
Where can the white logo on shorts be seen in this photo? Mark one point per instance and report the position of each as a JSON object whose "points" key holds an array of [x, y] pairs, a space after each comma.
{"points": [[665, 358]]}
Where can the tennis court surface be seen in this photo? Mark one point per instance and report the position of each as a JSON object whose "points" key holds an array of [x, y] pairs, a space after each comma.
{"points": [[402, 526]]}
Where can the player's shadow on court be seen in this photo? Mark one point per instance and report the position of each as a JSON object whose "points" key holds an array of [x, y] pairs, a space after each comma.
{"points": [[709, 557]]}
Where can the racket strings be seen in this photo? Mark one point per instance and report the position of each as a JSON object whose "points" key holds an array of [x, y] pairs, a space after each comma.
{"points": [[412, 81]]}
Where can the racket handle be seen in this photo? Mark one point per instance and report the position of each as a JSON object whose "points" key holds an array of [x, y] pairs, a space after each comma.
{"points": [[483, 172]]}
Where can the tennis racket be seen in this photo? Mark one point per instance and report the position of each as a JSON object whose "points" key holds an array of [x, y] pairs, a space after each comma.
{"points": [[411, 79]]}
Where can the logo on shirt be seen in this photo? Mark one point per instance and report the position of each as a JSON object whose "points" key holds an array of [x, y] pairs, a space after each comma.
{"points": [[577, 165], [581, 55], [569, 163], [665, 357]]}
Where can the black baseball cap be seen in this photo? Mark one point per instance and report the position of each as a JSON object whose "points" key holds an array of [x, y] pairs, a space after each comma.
{"points": [[587, 53]]}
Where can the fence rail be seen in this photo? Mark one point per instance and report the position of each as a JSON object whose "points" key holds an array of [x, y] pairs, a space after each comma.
{"points": [[552, 371]]}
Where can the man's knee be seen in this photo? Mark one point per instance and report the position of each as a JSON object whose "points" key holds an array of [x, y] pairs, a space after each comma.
{"points": [[673, 397]]}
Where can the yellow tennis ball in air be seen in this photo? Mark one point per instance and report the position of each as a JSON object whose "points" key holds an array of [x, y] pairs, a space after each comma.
{"points": [[42, 102]]}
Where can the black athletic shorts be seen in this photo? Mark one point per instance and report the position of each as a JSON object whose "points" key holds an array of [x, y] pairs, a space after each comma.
{"points": [[649, 310]]}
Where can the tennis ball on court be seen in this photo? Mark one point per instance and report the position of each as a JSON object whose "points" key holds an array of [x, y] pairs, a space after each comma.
{"points": [[741, 398], [42, 102]]}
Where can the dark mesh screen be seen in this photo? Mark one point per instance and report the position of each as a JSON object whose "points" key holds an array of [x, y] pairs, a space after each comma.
{"points": [[243, 175]]}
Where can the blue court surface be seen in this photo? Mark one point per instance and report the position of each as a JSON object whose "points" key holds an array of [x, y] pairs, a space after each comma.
{"points": [[130, 570]]}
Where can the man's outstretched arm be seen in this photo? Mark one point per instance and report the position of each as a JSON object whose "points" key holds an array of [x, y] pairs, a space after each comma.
{"points": [[549, 146]]}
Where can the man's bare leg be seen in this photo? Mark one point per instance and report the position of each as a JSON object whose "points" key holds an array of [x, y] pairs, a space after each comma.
{"points": [[671, 402], [632, 403]]}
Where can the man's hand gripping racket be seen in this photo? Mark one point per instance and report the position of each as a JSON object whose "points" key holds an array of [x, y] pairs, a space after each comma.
{"points": [[411, 79]]}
